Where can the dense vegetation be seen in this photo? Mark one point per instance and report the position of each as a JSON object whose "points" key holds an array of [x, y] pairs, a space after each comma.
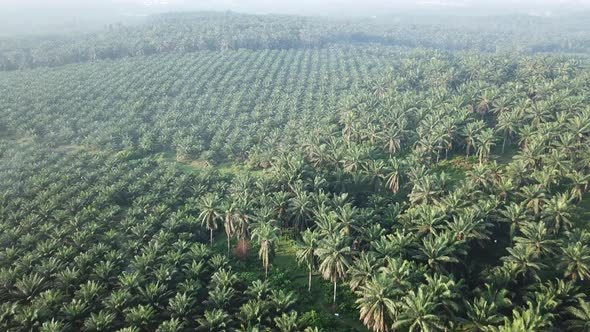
{"points": [[296, 189], [190, 32]]}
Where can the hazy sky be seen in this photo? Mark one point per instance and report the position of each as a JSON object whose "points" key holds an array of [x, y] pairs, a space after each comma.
{"points": [[297, 5]]}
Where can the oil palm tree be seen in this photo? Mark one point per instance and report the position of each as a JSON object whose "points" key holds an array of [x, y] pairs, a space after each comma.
{"points": [[394, 169], [580, 314], [306, 252], [214, 320], [575, 261], [266, 235], [378, 304], [419, 313], [334, 255], [210, 213], [524, 259], [556, 212], [437, 250], [485, 140]]}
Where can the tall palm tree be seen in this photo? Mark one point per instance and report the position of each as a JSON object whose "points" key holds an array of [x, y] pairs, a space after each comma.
{"points": [[306, 252], [485, 140], [266, 235], [230, 224], [334, 254], [362, 269], [470, 132], [393, 174], [210, 213], [378, 303]]}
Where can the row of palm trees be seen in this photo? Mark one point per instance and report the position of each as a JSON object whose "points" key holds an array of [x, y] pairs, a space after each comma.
{"points": [[95, 242]]}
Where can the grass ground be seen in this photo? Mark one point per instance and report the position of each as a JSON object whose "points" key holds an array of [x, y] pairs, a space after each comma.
{"points": [[321, 292], [286, 272]]}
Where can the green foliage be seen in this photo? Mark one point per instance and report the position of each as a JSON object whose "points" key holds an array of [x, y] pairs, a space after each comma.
{"points": [[142, 194]]}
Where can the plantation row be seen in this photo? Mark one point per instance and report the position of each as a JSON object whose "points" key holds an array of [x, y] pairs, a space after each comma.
{"points": [[98, 243], [191, 32], [204, 105]]}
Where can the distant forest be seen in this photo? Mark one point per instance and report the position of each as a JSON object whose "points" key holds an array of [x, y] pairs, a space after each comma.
{"points": [[189, 32]]}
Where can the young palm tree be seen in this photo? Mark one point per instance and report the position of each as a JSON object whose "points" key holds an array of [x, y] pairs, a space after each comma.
{"points": [[214, 320], [306, 252], [210, 213], [266, 235], [334, 255], [287, 322]]}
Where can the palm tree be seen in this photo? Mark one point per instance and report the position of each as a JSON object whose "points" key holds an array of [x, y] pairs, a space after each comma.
{"points": [[438, 250], [534, 197], [393, 175], [210, 213], [485, 140], [229, 224], [536, 235], [556, 211], [214, 320], [508, 124], [282, 300], [471, 130], [580, 317], [391, 140], [287, 322], [300, 207], [524, 259], [334, 255], [377, 302], [419, 313], [253, 311], [575, 261], [485, 310], [362, 269], [306, 252], [580, 183], [265, 234]]}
